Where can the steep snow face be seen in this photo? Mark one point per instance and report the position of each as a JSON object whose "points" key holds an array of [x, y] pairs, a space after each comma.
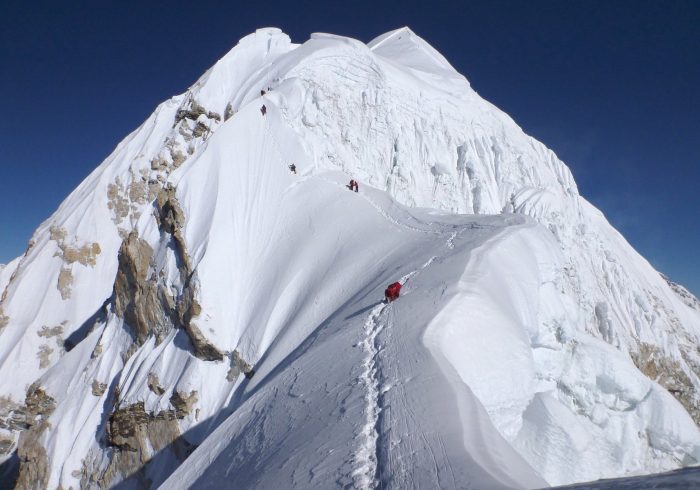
{"points": [[192, 291], [360, 401]]}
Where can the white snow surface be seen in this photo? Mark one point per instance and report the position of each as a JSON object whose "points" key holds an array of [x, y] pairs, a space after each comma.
{"points": [[682, 479], [505, 363]]}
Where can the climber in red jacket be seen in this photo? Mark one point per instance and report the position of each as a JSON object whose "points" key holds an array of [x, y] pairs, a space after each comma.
{"points": [[392, 292]]}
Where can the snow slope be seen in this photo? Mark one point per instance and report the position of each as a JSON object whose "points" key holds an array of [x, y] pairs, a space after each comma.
{"points": [[680, 479], [193, 300], [378, 410]]}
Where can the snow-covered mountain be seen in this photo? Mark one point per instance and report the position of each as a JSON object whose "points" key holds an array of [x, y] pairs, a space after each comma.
{"points": [[195, 314]]}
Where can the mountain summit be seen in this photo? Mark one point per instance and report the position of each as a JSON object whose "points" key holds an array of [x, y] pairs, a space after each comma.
{"points": [[197, 314]]}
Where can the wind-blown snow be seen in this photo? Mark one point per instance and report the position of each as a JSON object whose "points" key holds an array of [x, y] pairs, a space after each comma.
{"points": [[518, 355]]}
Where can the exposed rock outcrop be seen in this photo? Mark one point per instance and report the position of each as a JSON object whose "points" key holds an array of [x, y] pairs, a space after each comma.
{"points": [[49, 332], [183, 403], [129, 427], [158, 163], [65, 281], [71, 251], [57, 234], [200, 129], [4, 319], [85, 254], [147, 305], [186, 134], [193, 112], [53, 332], [686, 296], [98, 388], [138, 194], [33, 469], [135, 293], [7, 444], [126, 355], [96, 351], [13, 415], [39, 405], [117, 202], [238, 366], [44, 356], [178, 157], [136, 436], [228, 112], [127, 201], [668, 372], [171, 220], [154, 384], [188, 308], [13, 420]]}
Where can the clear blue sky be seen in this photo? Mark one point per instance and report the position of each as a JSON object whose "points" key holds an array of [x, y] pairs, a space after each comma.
{"points": [[611, 87]]}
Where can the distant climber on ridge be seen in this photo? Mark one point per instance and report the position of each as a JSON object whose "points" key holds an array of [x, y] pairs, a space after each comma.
{"points": [[353, 185], [262, 92], [263, 109], [293, 168]]}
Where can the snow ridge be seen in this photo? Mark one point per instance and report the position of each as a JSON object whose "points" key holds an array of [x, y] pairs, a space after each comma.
{"points": [[367, 457]]}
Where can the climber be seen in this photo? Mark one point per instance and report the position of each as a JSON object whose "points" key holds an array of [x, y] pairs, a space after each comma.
{"points": [[293, 168], [262, 92], [352, 184], [356, 186], [392, 292], [263, 109]]}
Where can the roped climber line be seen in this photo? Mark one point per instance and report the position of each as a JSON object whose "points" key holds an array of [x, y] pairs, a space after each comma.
{"points": [[275, 144], [377, 207], [268, 130], [383, 213]]}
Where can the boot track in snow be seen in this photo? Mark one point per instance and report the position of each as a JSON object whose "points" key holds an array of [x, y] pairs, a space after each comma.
{"points": [[366, 459]]}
